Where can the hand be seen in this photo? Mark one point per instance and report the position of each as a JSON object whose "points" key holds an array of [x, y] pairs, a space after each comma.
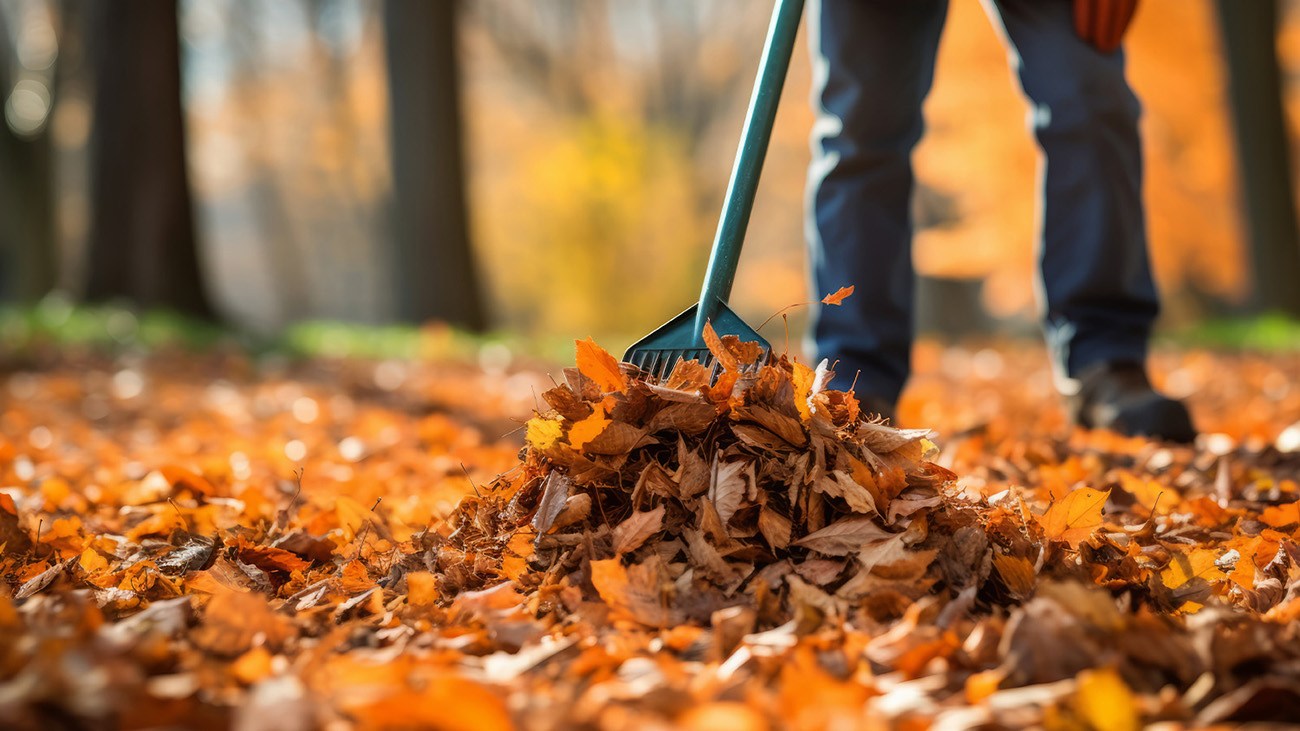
{"points": [[1102, 23]]}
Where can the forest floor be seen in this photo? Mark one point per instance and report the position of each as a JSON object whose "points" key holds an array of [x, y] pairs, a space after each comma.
{"points": [[208, 540]]}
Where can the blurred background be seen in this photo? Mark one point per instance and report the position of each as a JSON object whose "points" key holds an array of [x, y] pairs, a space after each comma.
{"points": [[554, 168]]}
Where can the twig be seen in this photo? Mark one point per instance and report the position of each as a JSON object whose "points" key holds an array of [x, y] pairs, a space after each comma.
{"points": [[465, 469], [179, 514], [782, 311]]}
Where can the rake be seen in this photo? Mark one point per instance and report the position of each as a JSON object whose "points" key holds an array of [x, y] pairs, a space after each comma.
{"points": [[682, 338]]}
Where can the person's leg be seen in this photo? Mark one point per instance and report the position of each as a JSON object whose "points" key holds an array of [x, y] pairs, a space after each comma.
{"points": [[873, 61], [1098, 296]]}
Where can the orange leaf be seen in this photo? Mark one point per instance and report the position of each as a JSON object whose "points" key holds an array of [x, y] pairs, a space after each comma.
{"points": [[1076, 517], [270, 558], [729, 362], [442, 701], [1106, 702], [1280, 516], [589, 428], [183, 477], [635, 591], [1198, 563], [839, 296], [598, 365]]}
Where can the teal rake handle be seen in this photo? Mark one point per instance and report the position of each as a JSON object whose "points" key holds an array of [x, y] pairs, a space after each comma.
{"points": [[749, 161]]}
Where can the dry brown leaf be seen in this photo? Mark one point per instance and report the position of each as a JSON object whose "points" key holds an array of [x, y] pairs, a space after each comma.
{"points": [[729, 486], [779, 424], [728, 360], [639, 591], [840, 485], [776, 528], [706, 558], [234, 622], [554, 494], [631, 533], [844, 536], [1017, 572]]}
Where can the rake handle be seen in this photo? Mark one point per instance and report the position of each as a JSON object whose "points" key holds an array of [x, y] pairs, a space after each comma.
{"points": [[754, 139]]}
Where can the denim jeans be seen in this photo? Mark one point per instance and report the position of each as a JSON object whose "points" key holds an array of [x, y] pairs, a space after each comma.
{"points": [[873, 63]]}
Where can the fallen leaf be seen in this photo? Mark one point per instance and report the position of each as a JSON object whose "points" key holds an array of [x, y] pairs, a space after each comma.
{"points": [[40, 582], [1105, 702], [1076, 517], [542, 433], [844, 536], [1281, 516], [776, 528], [729, 362], [598, 365], [588, 429], [631, 533], [839, 484], [729, 484], [1017, 572], [638, 591], [554, 495]]}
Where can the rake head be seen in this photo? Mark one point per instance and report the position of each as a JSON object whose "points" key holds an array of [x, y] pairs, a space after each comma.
{"points": [[657, 353]]}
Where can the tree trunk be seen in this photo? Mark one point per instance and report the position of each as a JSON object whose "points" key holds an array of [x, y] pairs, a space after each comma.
{"points": [[1249, 32], [141, 242], [28, 261], [433, 267]]}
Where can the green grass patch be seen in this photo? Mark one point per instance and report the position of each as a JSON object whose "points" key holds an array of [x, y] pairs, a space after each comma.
{"points": [[1266, 333], [56, 323]]}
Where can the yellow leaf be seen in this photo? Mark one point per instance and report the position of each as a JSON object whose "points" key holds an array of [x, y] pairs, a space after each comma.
{"points": [[1199, 563], [838, 297], [598, 365], [1105, 702], [543, 433], [803, 378], [1076, 517], [92, 562], [55, 490]]}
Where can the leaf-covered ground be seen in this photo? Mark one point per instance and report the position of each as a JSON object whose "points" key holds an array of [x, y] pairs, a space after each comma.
{"points": [[208, 541]]}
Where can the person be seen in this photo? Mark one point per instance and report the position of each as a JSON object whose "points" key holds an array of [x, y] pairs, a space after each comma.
{"points": [[873, 62]]}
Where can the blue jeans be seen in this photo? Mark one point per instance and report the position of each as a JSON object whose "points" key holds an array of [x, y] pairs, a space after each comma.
{"points": [[873, 62]]}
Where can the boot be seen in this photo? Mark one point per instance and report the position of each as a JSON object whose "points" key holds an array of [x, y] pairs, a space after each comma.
{"points": [[1119, 396]]}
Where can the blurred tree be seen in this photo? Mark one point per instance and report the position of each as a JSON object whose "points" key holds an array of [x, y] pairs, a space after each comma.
{"points": [[28, 53], [433, 265], [613, 130], [141, 240], [1249, 31]]}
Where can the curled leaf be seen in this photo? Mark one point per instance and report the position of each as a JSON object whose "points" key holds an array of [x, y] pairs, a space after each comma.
{"points": [[838, 296]]}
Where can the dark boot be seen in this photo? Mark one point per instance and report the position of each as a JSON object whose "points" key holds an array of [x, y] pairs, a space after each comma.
{"points": [[1119, 397]]}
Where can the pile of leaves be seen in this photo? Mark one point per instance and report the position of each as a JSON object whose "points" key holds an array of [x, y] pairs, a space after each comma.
{"points": [[674, 500], [213, 542]]}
